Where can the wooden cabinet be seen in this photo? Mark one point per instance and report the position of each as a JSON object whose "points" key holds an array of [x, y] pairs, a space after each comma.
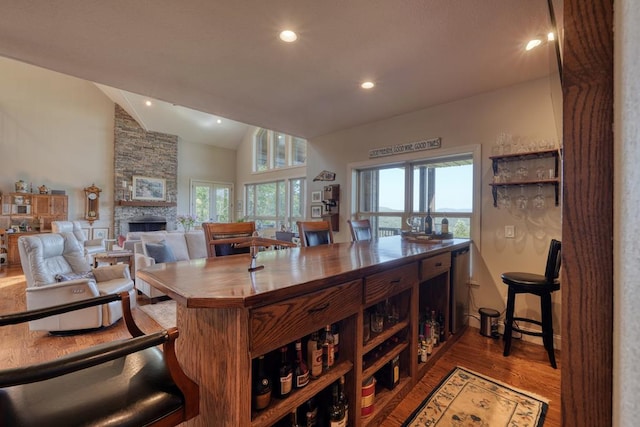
{"points": [[228, 318], [47, 208], [13, 253]]}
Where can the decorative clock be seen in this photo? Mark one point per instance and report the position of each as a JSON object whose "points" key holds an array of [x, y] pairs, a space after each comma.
{"points": [[92, 203]]}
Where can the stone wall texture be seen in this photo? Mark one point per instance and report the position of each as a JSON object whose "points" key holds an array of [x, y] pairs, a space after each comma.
{"points": [[142, 153]]}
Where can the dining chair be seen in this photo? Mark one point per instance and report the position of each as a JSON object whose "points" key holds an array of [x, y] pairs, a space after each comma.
{"points": [[215, 231], [360, 229], [314, 233]]}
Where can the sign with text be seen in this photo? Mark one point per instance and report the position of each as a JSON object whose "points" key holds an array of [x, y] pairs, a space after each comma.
{"points": [[409, 147]]}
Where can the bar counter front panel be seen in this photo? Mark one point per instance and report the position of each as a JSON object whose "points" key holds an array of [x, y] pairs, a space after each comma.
{"points": [[228, 316]]}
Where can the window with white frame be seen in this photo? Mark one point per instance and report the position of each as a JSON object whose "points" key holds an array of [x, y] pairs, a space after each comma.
{"points": [[276, 150], [211, 201], [275, 204], [389, 194]]}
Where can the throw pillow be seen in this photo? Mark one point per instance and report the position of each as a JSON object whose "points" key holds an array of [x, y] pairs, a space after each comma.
{"points": [[64, 277], [160, 252]]}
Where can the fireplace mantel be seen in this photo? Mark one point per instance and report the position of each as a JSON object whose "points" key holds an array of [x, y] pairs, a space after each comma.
{"points": [[145, 203]]}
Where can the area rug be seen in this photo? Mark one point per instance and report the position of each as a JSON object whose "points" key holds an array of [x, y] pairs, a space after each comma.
{"points": [[163, 312], [466, 398]]}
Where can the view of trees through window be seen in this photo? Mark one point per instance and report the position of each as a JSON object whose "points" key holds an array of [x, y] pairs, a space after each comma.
{"points": [[211, 201], [388, 196], [276, 150], [276, 204]]}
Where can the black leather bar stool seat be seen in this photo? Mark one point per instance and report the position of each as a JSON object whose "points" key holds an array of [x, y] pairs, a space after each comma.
{"points": [[535, 284]]}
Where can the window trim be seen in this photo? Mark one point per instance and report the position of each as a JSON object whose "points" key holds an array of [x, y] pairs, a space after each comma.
{"points": [[288, 217], [474, 149], [272, 151]]}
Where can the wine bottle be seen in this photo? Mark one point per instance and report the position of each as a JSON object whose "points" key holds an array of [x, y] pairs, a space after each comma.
{"points": [[335, 330], [444, 226], [314, 355], [435, 329], [336, 410], [428, 223], [443, 335], [300, 370], [342, 397], [293, 418], [309, 413], [285, 374], [261, 387], [327, 349]]}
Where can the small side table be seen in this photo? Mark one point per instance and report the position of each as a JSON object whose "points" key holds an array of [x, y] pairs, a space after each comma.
{"points": [[114, 257]]}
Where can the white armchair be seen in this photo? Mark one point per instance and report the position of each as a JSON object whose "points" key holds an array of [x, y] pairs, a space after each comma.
{"points": [[56, 273], [91, 246]]}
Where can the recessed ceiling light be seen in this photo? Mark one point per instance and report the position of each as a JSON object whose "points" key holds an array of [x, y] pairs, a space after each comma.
{"points": [[367, 85], [148, 103], [288, 36], [219, 121], [551, 37], [533, 43]]}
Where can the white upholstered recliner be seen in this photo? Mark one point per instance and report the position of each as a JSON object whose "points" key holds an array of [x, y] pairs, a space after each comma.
{"points": [[91, 246], [55, 270]]}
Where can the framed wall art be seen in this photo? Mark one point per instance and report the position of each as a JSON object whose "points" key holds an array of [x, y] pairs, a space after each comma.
{"points": [[316, 211], [100, 233], [316, 196], [146, 188]]}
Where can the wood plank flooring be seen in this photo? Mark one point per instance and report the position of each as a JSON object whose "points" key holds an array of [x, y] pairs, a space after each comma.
{"points": [[526, 368]]}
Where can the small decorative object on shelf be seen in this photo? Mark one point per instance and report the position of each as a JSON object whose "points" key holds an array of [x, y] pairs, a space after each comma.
{"points": [[186, 221], [43, 189], [21, 187]]}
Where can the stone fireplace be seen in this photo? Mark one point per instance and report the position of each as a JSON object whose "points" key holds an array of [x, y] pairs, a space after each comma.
{"points": [[147, 223], [149, 154]]}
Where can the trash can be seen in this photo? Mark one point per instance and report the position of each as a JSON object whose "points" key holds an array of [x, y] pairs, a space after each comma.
{"points": [[489, 322]]}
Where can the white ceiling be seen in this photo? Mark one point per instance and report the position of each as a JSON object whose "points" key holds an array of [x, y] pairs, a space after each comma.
{"points": [[224, 57]]}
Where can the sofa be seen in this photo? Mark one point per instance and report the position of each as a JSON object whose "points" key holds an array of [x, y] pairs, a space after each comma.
{"points": [[56, 272], [90, 246], [155, 247]]}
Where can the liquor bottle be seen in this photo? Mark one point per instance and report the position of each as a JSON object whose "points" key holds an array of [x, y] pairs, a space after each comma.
{"points": [[261, 387], [422, 350], [285, 374], [335, 330], [444, 226], [300, 370], [342, 397], [314, 355], [443, 335], [327, 349], [428, 223], [293, 418], [435, 329], [309, 413], [336, 410]]}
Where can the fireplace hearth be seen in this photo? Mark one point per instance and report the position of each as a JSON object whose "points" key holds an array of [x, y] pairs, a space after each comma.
{"points": [[147, 223]]}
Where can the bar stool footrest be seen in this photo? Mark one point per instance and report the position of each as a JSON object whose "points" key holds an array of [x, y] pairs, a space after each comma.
{"points": [[524, 331]]}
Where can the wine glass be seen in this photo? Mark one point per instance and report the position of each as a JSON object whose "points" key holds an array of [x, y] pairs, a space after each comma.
{"points": [[521, 201], [538, 200], [522, 172], [504, 201]]}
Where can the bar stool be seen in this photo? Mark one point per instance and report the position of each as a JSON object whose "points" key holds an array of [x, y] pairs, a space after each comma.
{"points": [[536, 284]]}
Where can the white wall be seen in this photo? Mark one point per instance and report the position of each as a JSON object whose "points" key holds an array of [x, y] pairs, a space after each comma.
{"points": [[626, 344], [58, 130], [525, 110]]}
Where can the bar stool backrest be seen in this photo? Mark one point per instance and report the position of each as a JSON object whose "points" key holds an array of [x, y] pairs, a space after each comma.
{"points": [[552, 270]]}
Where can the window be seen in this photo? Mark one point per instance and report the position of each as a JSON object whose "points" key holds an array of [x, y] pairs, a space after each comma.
{"points": [[389, 194], [276, 204], [211, 201], [276, 150]]}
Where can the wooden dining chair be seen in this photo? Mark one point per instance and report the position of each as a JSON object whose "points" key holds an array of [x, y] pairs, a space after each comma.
{"points": [[314, 233], [360, 229], [216, 231]]}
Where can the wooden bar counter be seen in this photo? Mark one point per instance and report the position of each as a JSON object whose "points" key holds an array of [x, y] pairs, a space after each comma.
{"points": [[228, 316]]}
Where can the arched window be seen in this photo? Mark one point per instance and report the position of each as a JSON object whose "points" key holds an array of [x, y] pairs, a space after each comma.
{"points": [[276, 150]]}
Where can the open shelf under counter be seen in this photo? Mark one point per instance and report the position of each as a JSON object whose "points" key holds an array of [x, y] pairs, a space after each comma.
{"points": [[384, 359], [281, 407], [377, 339], [383, 397]]}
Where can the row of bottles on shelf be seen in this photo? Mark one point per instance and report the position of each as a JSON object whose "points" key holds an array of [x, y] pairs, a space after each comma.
{"points": [[380, 317], [276, 374], [431, 332], [328, 408]]}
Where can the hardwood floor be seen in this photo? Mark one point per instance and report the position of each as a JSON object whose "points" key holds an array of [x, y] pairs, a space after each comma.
{"points": [[526, 368]]}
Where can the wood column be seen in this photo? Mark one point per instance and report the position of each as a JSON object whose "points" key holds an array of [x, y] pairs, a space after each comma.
{"points": [[587, 228]]}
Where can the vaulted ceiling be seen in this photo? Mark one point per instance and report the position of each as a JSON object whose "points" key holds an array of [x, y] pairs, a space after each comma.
{"points": [[224, 57]]}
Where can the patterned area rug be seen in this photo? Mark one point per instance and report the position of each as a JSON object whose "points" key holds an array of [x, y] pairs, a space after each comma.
{"points": [[163, 312], [465, 398]]}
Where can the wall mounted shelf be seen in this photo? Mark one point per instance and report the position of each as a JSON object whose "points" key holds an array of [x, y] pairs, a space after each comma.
{"points": [[145, 203]]}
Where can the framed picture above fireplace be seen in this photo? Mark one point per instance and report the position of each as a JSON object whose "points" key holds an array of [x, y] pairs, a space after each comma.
{"points": [[145, 188]]}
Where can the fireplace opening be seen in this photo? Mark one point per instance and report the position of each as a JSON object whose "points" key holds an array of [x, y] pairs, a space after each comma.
{"points": [[147, 223]]}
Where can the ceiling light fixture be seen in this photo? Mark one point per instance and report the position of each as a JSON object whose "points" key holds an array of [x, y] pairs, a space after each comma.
{"points": [[288, 36], [533, 43], [148, 103], [219, 121], [367, 85]]}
